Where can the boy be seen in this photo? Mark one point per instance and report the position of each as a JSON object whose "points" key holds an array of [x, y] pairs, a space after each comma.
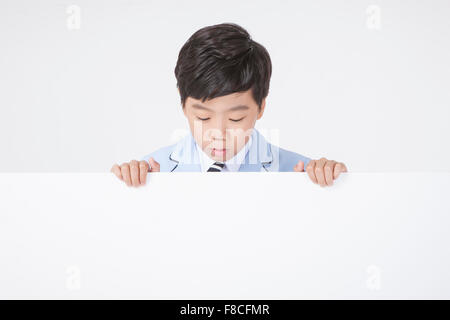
{"points": [[223, 79]]}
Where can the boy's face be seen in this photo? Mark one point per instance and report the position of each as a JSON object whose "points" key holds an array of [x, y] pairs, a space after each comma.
{"points": [[227, 125]]}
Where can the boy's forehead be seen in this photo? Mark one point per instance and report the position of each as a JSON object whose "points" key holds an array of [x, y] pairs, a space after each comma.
{"points": [[239, 101], [232, 108]]}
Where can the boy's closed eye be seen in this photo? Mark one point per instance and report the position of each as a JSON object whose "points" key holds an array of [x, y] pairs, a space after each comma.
{"points": [[235, 120]]}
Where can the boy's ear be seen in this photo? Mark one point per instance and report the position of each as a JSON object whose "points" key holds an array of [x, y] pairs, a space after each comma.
{"points": [[261, 111]]}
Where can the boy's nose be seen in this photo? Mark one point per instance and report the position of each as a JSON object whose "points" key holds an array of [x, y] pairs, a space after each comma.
{"points": [[219, 142], [219, 134]]}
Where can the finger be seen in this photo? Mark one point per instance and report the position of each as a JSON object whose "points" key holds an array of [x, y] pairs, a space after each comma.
{"points": [[310, 170], [340, 167], [329, 168], [143, 169], [154, 165], [134, 171], [125, 170], [318, 171], [299, 167], [116, 170]]}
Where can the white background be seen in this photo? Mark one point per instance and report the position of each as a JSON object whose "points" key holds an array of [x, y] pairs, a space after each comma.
{"points": [[377, 99]]}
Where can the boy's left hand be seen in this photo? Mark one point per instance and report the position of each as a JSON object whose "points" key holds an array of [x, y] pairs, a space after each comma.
{"points": [[322, 171]]}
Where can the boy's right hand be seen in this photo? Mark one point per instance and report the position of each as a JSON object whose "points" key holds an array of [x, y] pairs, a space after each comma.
{"points": [[134, 173]]}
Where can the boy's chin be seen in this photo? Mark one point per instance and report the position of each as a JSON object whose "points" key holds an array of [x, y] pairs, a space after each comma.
{"points": [[219, 158]]}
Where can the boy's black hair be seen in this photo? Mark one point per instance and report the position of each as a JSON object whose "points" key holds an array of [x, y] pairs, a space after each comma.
{"points": [[222, 59]]}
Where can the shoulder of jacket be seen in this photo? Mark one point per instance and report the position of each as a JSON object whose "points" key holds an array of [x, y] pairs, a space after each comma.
{"points": [[285, 159]]}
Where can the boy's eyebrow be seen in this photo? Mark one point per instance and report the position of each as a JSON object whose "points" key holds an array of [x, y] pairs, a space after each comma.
{"points": [[239, 107]]}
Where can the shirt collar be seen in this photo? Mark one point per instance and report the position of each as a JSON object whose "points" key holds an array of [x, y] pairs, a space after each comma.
{"points": [[232, 164]]}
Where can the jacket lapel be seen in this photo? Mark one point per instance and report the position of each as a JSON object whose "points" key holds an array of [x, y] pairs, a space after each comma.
{"points": [[184, 157], [259, 155]]}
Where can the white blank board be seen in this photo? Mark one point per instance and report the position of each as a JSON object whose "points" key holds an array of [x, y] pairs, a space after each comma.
{"points": [[225, 236]]}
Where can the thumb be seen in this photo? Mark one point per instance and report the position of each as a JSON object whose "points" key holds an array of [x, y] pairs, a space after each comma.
{"points": [[299, 167], [154, 166]]}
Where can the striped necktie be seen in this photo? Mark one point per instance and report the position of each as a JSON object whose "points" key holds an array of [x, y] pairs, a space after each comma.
{"points": [[216, 167]]}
